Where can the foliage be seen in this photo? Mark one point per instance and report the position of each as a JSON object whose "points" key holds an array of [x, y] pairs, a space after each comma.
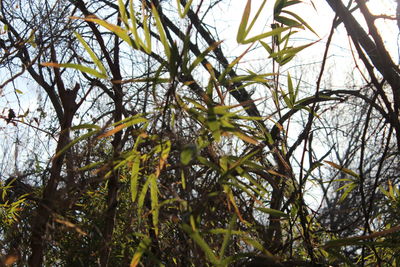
{"points": [[162, 156]]}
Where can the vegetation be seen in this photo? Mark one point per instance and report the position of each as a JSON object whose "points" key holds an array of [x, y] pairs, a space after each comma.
{"points": [[152, 143]]}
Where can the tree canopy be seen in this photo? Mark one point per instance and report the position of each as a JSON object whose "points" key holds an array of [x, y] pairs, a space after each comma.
{"points": [[134, 135]]}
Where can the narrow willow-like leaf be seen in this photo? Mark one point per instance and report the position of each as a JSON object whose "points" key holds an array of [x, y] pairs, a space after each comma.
{"points": [[201, 57], [135, 175], [91, 166], [154, 80], [120, 32], [273, 212], [241, 35], [92, 55], [253, 21], [164, 150], [77, 67], [154, 201], [291, 89], [290, 51], [147, 36], [258, 246], [122, 11], [142, 197], [134, 26], [141, 249], [229, 193], [161, 32], [287, 21], [253, 77], [201, 243], [185, 10], [267, 47], [285, 97], [349, 189], [342, 169], [122, 126], [214, 125], [82, 137], [85, 126], [133, 29], [246, 138], [300, 20], [227, 237], [208, 163], [183, 179], [364, 239], [266, 34], [281, 4]]}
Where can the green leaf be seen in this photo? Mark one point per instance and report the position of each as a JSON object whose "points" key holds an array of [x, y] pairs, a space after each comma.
{"points": [[120, 32], [290, 51], [201, 243], [241, 35], [141, 249], [135, 175], [92, 55], [142, 197], [119, 126], [273, 212], [154, 201], [266, 34], [122, 11], [77, 67], [64, 149], [201, 57], [288, 22], [86, 126], [227, 237], [350, 188], [259, 247], [291, 89], [188, 153], [253, 21], [161, 32], [267, 47], [186, 9], [133, 29], [300, 20], [342, 169]]}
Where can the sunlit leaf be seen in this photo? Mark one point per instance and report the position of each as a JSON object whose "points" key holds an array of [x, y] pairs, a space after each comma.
{"points": [[122, 126], [92, 55], [201, 57], [135, 175], [265, 35], [77, 67], [120, 32], [161, 31], [342, 169], [241, 35], [185, 10], [140, 250]]}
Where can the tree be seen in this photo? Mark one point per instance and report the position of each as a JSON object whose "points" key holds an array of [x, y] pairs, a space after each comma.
{"points": [[160, 152]]}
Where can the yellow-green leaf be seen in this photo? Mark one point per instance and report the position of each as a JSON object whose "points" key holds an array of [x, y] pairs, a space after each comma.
{"points": [[92, 55], [342, 169]]}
